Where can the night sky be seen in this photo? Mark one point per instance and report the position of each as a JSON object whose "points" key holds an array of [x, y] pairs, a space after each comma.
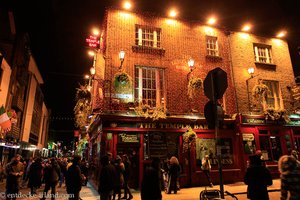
{"points": [[58, 28]]}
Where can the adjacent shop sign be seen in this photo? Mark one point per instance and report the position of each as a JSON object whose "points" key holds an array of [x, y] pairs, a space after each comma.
{"points": [[247, 120], [93, 41], [128, 138], [171, 125]]}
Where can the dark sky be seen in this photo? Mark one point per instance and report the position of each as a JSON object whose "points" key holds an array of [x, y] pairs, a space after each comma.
{"points": [[58, 29]]}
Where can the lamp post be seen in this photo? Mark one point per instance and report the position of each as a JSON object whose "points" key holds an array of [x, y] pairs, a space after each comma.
{"points": [[191, 64], [251, 73]]}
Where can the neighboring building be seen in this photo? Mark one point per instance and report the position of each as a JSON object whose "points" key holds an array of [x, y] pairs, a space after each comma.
{"points": [[5, 73], [272, 63], [23, 94]]}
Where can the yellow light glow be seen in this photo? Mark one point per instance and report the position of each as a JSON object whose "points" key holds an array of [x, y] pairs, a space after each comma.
{"points": [[209, 31], [86, 76], [171, 21], [251, 71], [278, 42], [173, 13], [91, 53], [246, 27], [125, 15], [95, 31], [127, 5], [281, 34], [244, 35], [211, 20]]}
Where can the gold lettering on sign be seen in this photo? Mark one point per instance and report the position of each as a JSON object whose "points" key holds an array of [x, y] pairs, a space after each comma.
{"points": [[172, 125]]}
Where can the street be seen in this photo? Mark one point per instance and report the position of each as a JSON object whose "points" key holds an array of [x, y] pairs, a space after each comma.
{"points": [[89, 193]]}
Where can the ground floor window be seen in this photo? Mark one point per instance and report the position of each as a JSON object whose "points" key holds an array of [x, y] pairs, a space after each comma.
{"points": [[270, 147]]}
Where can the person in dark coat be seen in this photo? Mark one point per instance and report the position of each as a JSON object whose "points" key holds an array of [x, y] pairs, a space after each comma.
{"points": [[119, 166], [289, 168], [84, 171], [126, 175], [35, 175], [14, 171], [151, 189], [258, 178], [174, 171], [51, 177], [74, 179], [107, 179]]}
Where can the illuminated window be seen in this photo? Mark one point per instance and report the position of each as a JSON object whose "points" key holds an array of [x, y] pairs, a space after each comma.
{"points": [[149, 85], [212, 46], [147, 36], [262, 53], [270, 145], [274, 96]]}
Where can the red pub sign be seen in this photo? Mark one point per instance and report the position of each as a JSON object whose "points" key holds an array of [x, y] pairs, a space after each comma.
{"points": [[93, 41]]}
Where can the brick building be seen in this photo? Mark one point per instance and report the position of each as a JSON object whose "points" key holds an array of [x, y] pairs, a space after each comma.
{"points": [[157, 51]]}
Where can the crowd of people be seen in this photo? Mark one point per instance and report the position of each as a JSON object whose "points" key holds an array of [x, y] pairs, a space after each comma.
{"points": [[52, 172]]}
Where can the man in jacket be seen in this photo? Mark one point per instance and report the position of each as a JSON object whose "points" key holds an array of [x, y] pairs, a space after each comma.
{"points": [[74, 179]]}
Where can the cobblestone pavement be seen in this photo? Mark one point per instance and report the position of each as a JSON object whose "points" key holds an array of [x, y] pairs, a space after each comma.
{"points": [[89, 193]]}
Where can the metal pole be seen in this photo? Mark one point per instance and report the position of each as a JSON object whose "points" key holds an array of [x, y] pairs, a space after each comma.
{"points": [[217, 140]]}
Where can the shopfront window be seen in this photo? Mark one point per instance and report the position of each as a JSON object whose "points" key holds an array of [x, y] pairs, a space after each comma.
{"points": [[160, 145], [207, 146], [270, 146]]}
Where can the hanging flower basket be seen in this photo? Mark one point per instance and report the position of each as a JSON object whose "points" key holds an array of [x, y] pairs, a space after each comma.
{"points": [[122, 80], [194, 86], [189, 137], [272, 114], [155, 113]]}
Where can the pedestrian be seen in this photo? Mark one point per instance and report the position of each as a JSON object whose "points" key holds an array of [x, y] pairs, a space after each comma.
{"points": [[119, 166], [51, 178], [74, 179], [126, 175], [258, 178], [35, 175], [289, 168], [1, 171], [26, 171], [107, 179], [14, 171], [63, 170], [151, 189], [174, 171], [84, 171], [206, 168]]}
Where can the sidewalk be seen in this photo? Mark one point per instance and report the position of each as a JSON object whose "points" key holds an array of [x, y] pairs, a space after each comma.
{"points": [[90, 193]]}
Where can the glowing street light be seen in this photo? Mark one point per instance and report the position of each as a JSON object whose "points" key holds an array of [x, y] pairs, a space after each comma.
{"points": [[173, 13], [91, 53], [246, 27], [95, 31], [127, 5], [211, 20], [281, 34]]}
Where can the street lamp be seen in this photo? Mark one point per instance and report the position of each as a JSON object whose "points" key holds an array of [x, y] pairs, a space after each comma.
{"points": [[251, 73], [191, 64], [122, 58]]}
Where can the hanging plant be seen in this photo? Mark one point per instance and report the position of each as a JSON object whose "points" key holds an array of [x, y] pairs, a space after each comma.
{"points": [[122, 81], [155, 113], [194, 85], [189, 137], [272, 114], [83, 106], [81, 146], [260, 91]]}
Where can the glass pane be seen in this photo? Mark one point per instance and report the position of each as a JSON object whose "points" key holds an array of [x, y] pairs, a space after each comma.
{"points": [[276, 147], [263, 131], [265, 146]]}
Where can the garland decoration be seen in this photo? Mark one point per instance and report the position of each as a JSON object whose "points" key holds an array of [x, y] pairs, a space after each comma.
{"points": [[189, 137], [122, 81], [155, 113], [194, 85], [83, 106], [81, 146], [272, 114]]}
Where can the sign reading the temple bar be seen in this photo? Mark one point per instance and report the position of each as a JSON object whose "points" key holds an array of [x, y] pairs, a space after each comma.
{"points": [[93, 41], [252, 120], [128, 138]]}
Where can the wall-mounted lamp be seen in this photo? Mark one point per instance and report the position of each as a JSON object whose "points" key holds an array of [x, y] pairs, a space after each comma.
{"points": [[122, 58], [251, 71], [191, 64], [93, 71]]}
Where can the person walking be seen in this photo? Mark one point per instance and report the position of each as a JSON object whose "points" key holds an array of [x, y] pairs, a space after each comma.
{"points": [[51, 177], [126, 175], [206, 168], [174, 171], [258, 178], [74, 179], [84, 171], [35, 175], [107, 179], [14, 171], [289, 168], [119, 166], [150, 188]]}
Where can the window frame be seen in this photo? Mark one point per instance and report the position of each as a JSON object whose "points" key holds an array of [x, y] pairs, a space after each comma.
{"points": [[212, 41], [276, 96], [270, 134], [145, 35], [263, 53], [139, 87]]}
